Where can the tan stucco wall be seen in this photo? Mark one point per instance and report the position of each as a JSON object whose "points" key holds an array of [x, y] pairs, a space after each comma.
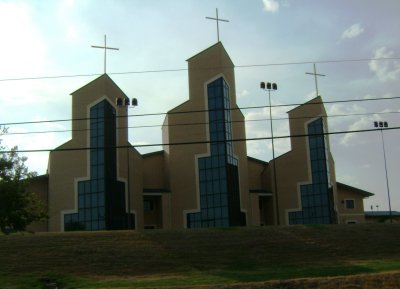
{"points": [[68, 167], [255, 174], [349, 215], [64, 168], [257, 181], [153, 171], [154, 177], [293, 168], [136, 189], [182, 159]]}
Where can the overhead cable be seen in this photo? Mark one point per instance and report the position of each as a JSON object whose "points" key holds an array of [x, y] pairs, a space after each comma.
{"points": [[61, 149], [204, 110], [201, 123], [186, 69]]}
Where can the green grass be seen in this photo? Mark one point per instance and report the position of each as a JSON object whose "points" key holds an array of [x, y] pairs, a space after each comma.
{"points": [[196, 257], [193, 278]]}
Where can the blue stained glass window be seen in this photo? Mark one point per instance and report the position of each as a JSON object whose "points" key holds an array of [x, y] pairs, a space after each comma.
{"points": [[92, 193], [101, 185], [316, 197], [209, 187], [101, 199], [94, 186], [219, 169]]}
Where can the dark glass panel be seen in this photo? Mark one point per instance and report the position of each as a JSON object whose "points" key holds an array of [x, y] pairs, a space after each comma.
{"points": [[216, 187], [92, 193], [316, 207]]}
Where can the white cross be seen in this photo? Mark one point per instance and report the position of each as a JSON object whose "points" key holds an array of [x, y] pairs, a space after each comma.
{"points": [[105, 51], [315, 76], [217, 20]]}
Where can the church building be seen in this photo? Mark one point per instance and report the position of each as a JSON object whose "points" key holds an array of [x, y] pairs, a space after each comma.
{"points": [[202, 177]]}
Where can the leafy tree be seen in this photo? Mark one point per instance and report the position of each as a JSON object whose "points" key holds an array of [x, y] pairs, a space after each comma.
{"points": [[18, 207]]}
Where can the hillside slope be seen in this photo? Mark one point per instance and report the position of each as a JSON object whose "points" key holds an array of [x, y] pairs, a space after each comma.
{"points": [[202, 256]]}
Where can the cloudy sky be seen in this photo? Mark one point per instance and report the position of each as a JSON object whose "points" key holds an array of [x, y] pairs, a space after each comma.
{"points": [[268, 40]]}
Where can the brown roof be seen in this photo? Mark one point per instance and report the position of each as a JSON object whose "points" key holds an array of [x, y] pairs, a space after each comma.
{"points": [[365, 194], [103, 76], [209, 48]]}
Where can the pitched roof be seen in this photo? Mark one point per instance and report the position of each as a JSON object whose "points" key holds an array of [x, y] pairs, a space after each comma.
{"points": [[365, 194], [160, 152], [218, 44], [104, 77], [315, 100]]}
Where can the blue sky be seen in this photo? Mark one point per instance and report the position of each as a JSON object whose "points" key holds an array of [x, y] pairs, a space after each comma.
{"points": [[54, 38]]}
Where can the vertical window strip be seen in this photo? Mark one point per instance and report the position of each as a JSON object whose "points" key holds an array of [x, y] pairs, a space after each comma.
{"points": [[315, 197]]}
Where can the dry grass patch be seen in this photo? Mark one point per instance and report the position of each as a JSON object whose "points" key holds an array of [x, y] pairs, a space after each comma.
{"points": [[197, 257]]}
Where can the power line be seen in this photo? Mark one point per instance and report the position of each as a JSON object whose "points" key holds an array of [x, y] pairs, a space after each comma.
{"points": [[47, 77], [203, 123], [318, 62], [186, 69], [196, 142], [204, 110]]}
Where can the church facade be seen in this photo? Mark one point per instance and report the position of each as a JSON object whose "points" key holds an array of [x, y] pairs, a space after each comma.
{"points": [[202, 177]]}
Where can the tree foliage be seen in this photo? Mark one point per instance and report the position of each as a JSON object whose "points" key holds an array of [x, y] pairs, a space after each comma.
{"points": [[18, 207]]}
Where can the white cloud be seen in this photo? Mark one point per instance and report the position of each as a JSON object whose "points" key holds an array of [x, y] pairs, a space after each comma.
{"points": [[347, 179], [363, 123], [243, 93], [71, 26], [271, 5], [67, 3], [258, 126], [337, 111], [385, 70], [353, 31], [26, 140]]}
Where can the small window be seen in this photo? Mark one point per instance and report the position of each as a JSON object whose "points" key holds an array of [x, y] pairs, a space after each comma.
{"points": [[349, 204], [148, 205]]}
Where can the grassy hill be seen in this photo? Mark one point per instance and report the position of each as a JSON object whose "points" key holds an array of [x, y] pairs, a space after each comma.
{"points": [[160, 258]]}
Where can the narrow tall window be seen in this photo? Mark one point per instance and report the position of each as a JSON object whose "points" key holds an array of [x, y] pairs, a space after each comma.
{"points": [[101, 200], [349, 204], [316, 198], [218, 173]]}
